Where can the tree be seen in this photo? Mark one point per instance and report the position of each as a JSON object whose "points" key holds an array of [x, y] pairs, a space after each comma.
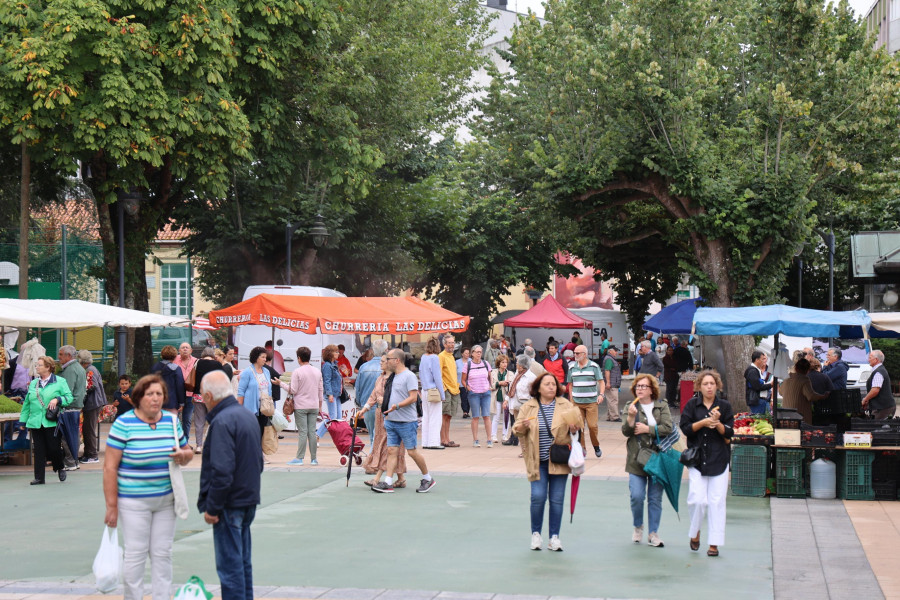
{"points": [[711, 129], [337, 135]]}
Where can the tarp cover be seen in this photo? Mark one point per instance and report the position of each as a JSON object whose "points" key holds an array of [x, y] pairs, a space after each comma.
{"points": [[884, 325], [777, 318], [550, 314], [675, 318], [405, 315], [76, 314]]}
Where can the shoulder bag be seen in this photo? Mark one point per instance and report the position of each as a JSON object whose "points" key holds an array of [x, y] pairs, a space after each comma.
{"points": [[191, 382], [266, 404], [691, 457], [559, 453], [51, 413], [288, 407], [179, 492]]}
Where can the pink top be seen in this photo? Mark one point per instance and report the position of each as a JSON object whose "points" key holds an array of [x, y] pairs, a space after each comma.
{"points": [[186, 368], [306, 386], [479, 379]]}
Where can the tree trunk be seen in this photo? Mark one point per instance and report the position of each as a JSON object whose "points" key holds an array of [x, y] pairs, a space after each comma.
{"points": [[307, 261], [24, 226], [736, 350]]}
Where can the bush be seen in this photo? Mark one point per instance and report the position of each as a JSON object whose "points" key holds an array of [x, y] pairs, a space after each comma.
{"points": [[891, 349]]}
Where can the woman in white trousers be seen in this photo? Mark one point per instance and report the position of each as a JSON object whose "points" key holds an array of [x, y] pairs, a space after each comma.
{"points": [[708, 423], [432, 395], [500, 380]]}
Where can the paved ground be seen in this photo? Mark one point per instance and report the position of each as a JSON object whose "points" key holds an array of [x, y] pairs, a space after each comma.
{"points": [[316, 538]]}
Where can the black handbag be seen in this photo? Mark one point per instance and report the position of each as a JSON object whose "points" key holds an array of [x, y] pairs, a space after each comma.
{"points": [[691, 457], [51, 413], [559, 453]]}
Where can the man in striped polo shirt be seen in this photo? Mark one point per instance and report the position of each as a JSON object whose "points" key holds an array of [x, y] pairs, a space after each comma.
{"points": [[586, 391]]}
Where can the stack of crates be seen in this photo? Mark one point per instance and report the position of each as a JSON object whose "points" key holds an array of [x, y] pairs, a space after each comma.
{"points": [[749, 468], [789, 481], [855, 476]]}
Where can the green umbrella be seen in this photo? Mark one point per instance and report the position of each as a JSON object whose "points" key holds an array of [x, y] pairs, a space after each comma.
{"points": [[665, 468]]}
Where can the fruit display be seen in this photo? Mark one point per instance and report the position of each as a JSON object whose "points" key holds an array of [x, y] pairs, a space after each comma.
{"points": [[748, 424]]}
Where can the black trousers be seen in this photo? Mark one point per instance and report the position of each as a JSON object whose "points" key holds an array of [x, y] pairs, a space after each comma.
{"points": [[464, 399], [672, 394], [46, 445]]}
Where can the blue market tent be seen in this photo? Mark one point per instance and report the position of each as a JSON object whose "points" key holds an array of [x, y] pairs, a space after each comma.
{"points": [[776, 318], [675, 318]]}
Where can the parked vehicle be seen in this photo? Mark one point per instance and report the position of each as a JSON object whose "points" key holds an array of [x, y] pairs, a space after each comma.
{"points": [[172, 336]]}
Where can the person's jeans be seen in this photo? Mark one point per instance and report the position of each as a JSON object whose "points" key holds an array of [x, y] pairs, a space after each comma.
{"points": [[199, 418], [480, 404], [306, 431], [553, 486], [187, 414], [638, 486], [231, 538], [148, 529]]}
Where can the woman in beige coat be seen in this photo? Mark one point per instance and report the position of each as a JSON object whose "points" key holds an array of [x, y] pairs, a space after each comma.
{"points": [[547, 418]]}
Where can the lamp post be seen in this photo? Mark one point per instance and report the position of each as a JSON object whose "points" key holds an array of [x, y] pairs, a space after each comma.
{"points": [[318, 232], [132, 198]]}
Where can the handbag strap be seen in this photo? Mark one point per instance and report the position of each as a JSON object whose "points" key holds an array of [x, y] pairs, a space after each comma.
{"points": [[544, 415], [175, 430]]}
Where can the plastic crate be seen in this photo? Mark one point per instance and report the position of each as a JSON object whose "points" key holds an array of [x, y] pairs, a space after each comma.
{"points": [[752, 440], [885, 437], [855, 476], [839, 402], [885, 466], [819, 435], [749, 468], [872, 425], [789, 481], [885, 490], [787, 419]]}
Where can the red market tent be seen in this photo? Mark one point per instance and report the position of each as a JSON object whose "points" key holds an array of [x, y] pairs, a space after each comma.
{"points": [[405, 315], [549, 314]]}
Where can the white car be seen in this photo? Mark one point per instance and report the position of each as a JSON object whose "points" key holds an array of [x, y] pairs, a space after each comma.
{"points": [[857, 376]]}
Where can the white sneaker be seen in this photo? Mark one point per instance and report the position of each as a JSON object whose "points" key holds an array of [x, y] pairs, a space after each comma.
{"points": [[475, 444], [555, 545], [654, 540], [638, 535], [494, 439], [536, 541]]}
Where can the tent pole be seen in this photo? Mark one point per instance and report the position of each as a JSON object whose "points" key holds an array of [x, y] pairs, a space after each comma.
{"points": [[775, 379]]}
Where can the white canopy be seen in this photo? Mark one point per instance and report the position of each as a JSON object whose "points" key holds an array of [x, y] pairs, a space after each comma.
{"points": [[76, 314], [888, 321]]}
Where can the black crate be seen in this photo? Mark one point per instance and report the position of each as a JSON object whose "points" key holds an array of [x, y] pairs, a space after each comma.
{"points": [[885, 466], [885, 437], [839, 402], [753, 440], [819, 435], [872, 425], [885, 490], [787, 419]]}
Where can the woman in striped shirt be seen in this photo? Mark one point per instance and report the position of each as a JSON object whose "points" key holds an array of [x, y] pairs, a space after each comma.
{"points": [[137, 487]]}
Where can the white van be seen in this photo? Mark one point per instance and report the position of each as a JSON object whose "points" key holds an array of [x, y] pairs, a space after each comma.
{"points": [[613, 324], [286, 341]]}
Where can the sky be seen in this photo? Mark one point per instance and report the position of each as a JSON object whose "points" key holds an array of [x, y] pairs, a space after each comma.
{"points": [[860, 6]]}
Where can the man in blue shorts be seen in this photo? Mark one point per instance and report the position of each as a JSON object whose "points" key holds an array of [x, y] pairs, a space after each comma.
{"points": [[401, 421]]}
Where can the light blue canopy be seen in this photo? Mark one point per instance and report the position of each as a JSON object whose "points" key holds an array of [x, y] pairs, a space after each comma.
{"points": [[777, 318]]}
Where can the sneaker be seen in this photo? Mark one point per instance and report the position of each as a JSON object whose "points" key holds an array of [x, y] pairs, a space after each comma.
{"points": [[509, 442], [466, 416], [73, 468], [490, 444], [555, 545], [654, 540], [475, 444], [536, 541], [314, 462], [383, 488], [638, 535], [598, 452], [295, 462], [198, 450], [494, 439], [90, 460], [425, 486]]}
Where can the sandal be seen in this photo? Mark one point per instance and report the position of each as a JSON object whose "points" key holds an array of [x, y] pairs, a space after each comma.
{"points": [[451, 445], [400, 484], [695, 543], [712, 551], [370, 482]]}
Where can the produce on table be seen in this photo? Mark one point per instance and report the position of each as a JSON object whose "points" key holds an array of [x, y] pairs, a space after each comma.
{"points": [[9, 406], [748, 424]]}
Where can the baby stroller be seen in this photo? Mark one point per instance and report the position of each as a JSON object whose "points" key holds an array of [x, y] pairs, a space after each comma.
{"points": [[344, 437]]}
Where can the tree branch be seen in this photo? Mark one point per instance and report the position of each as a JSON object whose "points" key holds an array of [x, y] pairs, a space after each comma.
{"points": [[616, 185], [766, 248], [617, 202], [612, 243]]}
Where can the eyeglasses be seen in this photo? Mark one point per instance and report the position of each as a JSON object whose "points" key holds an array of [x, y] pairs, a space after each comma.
{"points": [[392, 358], [577, 353], [641, 386]]}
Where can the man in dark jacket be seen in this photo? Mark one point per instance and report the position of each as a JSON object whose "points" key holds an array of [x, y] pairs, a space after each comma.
{"points": [[756, 376], [229, 483], [836, 368], [172, 376]]}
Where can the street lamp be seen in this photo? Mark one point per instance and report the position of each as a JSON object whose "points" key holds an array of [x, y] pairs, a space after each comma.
{"points": [[127, 202], [318, 232]]}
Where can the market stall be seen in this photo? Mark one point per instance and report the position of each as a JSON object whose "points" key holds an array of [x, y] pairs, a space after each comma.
{"points": [[550, 314], [850, 467]]}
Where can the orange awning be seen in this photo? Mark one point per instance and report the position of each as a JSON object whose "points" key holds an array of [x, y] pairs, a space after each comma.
{"points": [[406, 315]]}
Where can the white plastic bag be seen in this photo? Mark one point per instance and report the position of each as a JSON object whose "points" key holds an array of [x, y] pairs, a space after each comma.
{"points": [[108, 562], [576, 456], [279, 421]]}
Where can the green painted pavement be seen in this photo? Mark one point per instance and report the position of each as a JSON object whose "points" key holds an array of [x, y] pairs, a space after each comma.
{"points": [[470, 534]]}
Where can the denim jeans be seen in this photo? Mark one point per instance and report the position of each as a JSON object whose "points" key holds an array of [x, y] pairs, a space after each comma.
{"points": [[187, 414], [231, 538], [553, 486], [638, 485]]}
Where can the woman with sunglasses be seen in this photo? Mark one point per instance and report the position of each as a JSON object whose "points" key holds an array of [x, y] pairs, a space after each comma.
{"points": [[646, 418]]}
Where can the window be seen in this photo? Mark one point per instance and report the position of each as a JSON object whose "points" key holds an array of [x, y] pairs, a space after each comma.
{"points": [[174, 280]]}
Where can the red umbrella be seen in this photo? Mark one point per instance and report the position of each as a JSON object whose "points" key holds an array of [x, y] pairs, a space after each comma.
{"points": [[203, 324], [576, 481]]}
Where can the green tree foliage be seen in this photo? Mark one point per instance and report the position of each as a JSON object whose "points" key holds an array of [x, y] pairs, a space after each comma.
{"points": [[705, 131], [343, 133]]}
